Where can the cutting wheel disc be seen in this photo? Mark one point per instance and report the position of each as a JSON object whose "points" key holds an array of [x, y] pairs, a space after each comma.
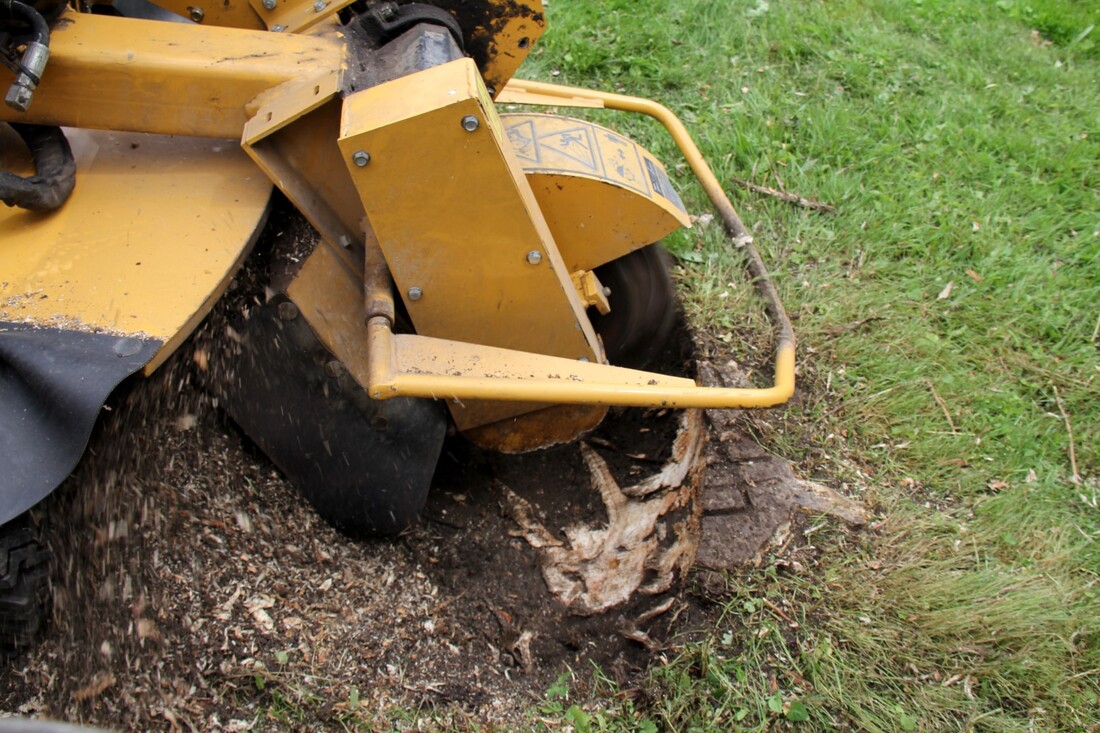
{"points": [[643, 307]]}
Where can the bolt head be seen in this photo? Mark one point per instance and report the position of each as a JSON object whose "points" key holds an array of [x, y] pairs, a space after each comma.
{"points": [[534, 257], [270, 4], [278, 28], [319, 6], [19, 97], [287, 311], [470, 123], [361, 158], [196, 14], [415, 293]]}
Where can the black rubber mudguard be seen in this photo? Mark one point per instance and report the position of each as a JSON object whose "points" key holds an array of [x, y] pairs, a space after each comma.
{"points": [[365, 466], [53, 383]]}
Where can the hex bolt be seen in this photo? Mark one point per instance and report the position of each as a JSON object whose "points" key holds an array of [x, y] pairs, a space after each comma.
{"points": [[360, 158], [270, 4], [534, 257], [278, 28], [387, 11], [415, 293], [196, 14], [345, 241], [470, 123], [287, 311], [319, 6]]}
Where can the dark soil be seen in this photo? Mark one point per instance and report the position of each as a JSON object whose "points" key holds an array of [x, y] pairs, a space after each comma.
{"points": [[195, 589]]}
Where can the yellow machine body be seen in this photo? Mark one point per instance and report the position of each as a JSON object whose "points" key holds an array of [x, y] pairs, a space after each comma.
{"points": [[486, 230], [146, 244]]}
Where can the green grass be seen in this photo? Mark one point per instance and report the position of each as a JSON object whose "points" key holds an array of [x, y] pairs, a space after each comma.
{"points": [[960, 141]]}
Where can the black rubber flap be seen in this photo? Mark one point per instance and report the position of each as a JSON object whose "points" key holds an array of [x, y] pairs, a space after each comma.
{"points": [[366, 466], [53, 383]]}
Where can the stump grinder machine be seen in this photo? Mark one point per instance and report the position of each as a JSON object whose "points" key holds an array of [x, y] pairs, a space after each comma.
{"points": [[495, 272]]}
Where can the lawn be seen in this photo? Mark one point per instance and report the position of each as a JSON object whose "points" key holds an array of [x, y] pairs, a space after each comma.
{"points": [[948, 315]]}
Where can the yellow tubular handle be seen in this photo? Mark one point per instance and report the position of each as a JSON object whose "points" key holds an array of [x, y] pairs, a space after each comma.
{"points": [[386, 379]]}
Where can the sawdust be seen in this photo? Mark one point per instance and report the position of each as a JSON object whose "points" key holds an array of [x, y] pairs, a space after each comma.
{"points": [[194, 589]]}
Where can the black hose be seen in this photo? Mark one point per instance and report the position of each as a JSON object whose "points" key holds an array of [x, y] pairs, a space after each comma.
{"points": [[55, 171], [39, 27]]}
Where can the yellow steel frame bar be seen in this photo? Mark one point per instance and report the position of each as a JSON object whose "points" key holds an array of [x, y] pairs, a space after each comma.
{"points": [[122, 74]]}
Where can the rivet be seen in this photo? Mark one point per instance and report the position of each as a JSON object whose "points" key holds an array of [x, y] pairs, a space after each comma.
{"points": [[534, 257], [415, 293], [361, 158], [470, 123], [270, 4], [287, 311]]}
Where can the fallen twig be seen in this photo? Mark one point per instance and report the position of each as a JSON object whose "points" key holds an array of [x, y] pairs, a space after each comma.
{"points": [[943, 406], [779, 612], [853, 326], [1075, 478], [790, 198]]}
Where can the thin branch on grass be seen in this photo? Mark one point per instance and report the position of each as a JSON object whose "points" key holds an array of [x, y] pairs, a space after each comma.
{"points": [[790, 198], [1075, 478], [853, 326], [943, 406], [779, 612], [1096, 331]]}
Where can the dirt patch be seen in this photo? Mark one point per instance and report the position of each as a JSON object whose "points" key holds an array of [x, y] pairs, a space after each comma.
{"points": [[195, 589]]}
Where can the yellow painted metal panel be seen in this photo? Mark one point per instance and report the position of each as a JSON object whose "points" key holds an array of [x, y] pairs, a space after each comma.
{"points": [[457, 220], [226, 13], [329, 296], [602, 194], [148, 241], [295, 16], [113, 73]]}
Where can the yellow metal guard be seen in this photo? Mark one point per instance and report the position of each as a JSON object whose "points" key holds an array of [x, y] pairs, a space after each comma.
{"points": [[397, 369]]}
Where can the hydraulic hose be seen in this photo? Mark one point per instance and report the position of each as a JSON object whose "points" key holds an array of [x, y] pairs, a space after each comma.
{"points": [[55, 171]]}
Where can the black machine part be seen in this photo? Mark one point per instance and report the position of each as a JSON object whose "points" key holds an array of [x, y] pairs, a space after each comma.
{"points": [[643, 307], [55, 171], [53, 383], [24, 584], [365, 466]]}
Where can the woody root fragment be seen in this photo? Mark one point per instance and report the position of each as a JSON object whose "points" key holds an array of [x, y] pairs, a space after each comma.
{"points": [[650, 538]]}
